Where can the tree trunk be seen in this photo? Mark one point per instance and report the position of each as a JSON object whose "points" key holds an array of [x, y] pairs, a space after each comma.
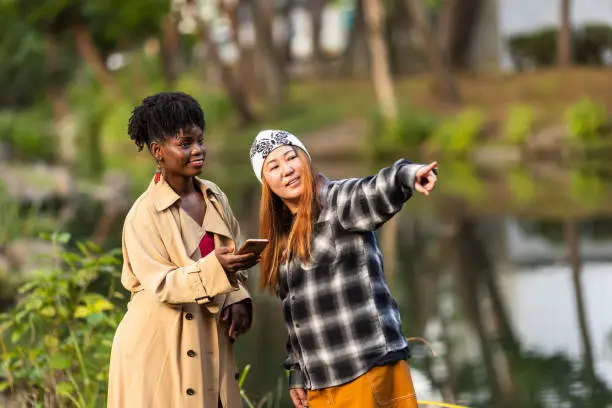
{"points": [[356, 60], [572, 240], [263, 19], [380, 73], [444, 84], [64, 124], [315, 9], [234, 88], [90, 53], [564, 39], [456, 29], [170, 55], [469, 251]]}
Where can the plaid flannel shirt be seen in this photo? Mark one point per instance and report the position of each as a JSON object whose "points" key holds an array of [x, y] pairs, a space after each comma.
{"points": [[338, 309]]}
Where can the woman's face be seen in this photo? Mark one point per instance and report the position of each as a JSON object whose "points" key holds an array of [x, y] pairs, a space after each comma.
{"points": [[283, 170], [182, 154]]}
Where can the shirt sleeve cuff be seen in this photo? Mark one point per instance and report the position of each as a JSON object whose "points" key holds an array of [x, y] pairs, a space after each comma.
{"points": [[296, 379], [410, 171]]}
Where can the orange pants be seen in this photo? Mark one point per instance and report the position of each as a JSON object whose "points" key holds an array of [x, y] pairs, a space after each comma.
{"points": [[387, 386]]}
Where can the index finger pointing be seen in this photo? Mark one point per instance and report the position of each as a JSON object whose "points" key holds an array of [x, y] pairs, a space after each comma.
{"points": [[429, 167]]}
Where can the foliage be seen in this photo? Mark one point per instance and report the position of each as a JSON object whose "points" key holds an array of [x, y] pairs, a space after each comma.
{"points": [[586, 187], [460, 179], [16, 222], [28, 133], [522, 186], [413, 127], [457, 135], [586, 120], [539, 48], [534, 49], [56, 341], [540, 381], [519, 124], [271, 399], [111, 22]]}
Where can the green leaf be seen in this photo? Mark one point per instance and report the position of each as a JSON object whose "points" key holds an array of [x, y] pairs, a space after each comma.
{"points": [[101, 305], [81, 311], [95, 318], [60, 361], [51, 342], [48, 311], [93, 247], [61, 237], [64, 388], [4, 385], [16, 336], [83, 248]]}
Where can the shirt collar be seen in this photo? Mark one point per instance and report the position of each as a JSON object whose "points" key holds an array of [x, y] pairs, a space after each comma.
{"points": [[164, 196]]}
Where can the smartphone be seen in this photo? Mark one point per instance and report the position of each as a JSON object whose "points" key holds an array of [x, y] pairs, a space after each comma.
{"points": [[253, 246]]}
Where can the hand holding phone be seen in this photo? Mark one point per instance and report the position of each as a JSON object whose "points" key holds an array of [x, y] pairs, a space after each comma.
{"points": [[253, 246]]}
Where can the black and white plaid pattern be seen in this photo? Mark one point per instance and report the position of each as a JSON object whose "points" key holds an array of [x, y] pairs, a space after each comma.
{"points": [[338, 310]]}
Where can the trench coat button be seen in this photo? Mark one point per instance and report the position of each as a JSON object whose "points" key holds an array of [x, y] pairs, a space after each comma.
{"points": [[297, 325], [191, 353], [190, 391], [188, 316]]}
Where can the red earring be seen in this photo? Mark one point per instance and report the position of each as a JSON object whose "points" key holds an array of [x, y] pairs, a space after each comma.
{"points": [[157, 174]]}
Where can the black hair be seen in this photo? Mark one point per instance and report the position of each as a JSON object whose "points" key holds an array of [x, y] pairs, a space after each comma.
{"points": [[163, 114]]}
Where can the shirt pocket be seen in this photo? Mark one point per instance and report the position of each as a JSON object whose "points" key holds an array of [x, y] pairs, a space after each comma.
{"points": [[391, 384], [323, 246]]}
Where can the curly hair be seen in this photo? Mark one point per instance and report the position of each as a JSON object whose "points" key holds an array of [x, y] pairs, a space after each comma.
{"points": [[162, 115]]}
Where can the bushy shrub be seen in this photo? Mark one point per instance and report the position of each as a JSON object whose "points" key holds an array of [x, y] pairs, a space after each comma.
{"points": [[519, 123], [412, 128], [586, 120], [539, 48], [56, 341], [457, 135], [29, 133]]}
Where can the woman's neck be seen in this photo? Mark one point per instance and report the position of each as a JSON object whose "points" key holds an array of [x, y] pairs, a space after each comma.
{"points": [[292, 205], [183, 186]]}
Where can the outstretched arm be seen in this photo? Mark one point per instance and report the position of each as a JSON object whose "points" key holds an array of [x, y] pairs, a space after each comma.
{"points": [[365, 204]]}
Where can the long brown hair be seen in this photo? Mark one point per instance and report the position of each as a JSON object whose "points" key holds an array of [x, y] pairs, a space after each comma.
{"points": [[287, 239]]}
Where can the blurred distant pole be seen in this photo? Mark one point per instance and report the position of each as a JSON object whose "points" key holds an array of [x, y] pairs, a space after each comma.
{"points": [[379, 70], [564, 39], [444, 85], [276, 76]]}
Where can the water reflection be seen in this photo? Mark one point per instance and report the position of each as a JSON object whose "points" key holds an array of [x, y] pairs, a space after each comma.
{"points": [[506, 272]]}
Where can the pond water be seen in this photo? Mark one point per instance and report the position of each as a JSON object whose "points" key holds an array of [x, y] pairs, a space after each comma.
{"points": [[507, 273]]}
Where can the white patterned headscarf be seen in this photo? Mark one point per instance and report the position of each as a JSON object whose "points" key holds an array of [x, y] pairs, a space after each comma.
{"points": [[268, 140]]}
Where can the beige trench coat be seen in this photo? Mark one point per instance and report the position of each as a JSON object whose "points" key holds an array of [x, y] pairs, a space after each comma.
{"points": [[170, 349]]}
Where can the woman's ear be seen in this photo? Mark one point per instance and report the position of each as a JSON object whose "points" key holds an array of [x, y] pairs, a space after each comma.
{"points": [[157, 151]]}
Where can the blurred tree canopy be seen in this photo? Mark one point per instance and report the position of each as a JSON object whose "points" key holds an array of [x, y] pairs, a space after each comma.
{"points": [[43, 41]]}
